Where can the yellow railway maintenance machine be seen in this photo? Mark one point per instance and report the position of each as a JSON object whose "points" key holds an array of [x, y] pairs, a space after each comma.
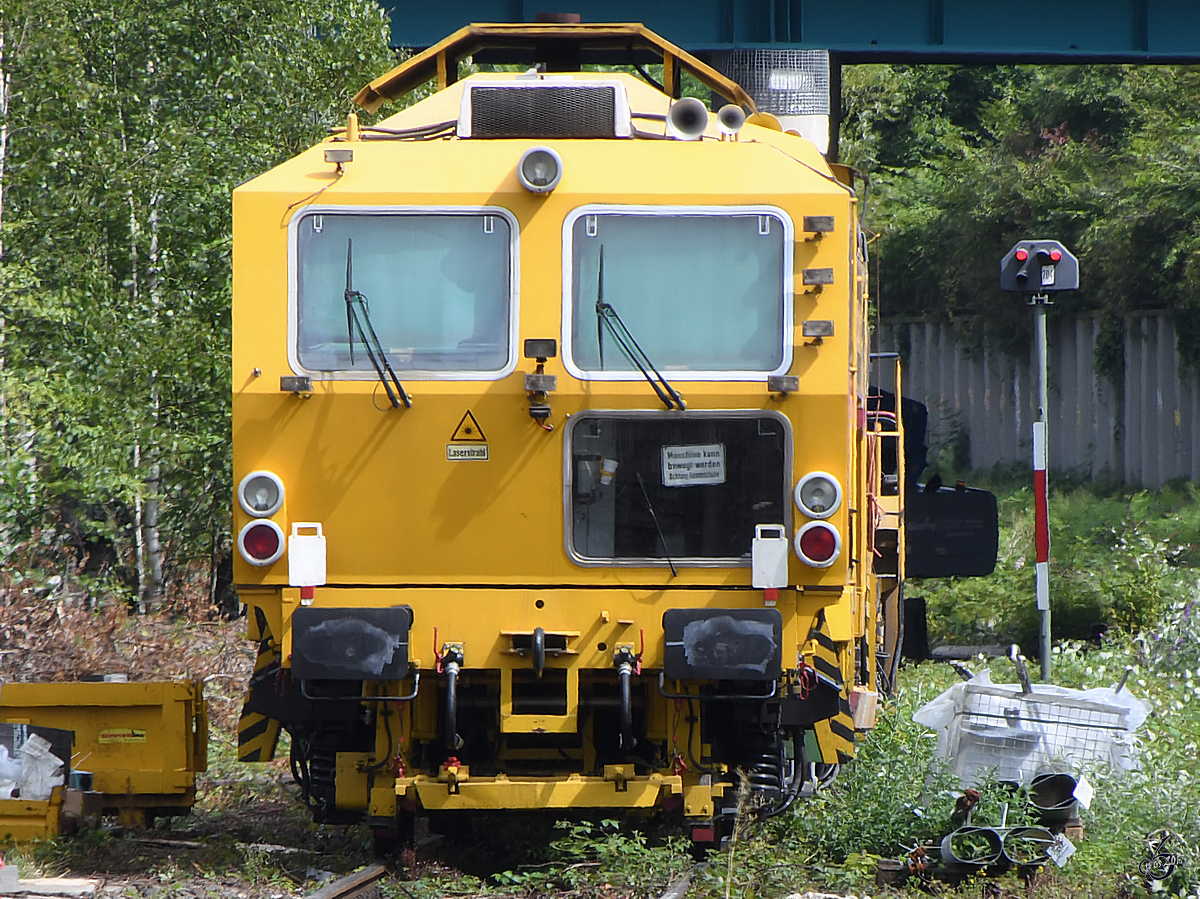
{"points": [[558, 487]]}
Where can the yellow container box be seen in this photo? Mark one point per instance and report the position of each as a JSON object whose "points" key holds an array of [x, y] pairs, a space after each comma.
{"points": [[23, 820], [143, 742]]}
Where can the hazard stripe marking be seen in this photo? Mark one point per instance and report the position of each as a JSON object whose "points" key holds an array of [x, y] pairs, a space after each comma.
{"points": [[251, 730], [836, 735], [258, 735], [840, 729], [266, 656], [831, 671]]}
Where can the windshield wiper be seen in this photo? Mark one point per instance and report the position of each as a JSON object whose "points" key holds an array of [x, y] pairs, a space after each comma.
{"points": [[606, 316], [657, 526], [358, 317]]}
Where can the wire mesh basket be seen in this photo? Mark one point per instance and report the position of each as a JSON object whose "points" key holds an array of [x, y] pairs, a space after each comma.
{"points": [[1019, 735]]}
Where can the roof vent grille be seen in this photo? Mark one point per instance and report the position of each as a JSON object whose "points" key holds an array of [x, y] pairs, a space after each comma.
{"points": [[544, 109]]}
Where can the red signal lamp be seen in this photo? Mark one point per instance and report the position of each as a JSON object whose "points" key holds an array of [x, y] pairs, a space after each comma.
{"points": [[1023, 254]]}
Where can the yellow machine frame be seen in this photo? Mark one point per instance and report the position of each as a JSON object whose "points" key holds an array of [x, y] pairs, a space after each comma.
{"points": [[474, 546]]}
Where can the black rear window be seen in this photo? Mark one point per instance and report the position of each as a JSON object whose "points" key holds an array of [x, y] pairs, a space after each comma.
{"points": [[707, 478]]}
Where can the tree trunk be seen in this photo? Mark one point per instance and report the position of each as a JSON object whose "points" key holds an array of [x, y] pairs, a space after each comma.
{"points": [[5, 88], [153, 597], [138, 503], [139, 539], [154, 587]]}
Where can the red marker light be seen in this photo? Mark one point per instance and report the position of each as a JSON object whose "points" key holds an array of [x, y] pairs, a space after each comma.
{"points": [[261, 541], [819, 544], [1055, 255], [1022, 254]]}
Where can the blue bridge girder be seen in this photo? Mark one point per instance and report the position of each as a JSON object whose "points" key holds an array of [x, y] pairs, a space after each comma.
{"points": [[1060, 31]]}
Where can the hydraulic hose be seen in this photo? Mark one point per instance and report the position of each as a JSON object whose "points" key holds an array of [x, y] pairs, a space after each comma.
{"points": [[625, 676], [452, 740]]}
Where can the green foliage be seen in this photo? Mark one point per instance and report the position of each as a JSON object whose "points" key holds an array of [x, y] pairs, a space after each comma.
{"points": [[898, 777], [967, 160], [1173, 645], [129, 125], [589, 854], [871, 810], [1163, 791]]}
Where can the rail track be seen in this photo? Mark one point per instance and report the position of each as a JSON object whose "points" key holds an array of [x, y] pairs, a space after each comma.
{"points": [[362, 884]]}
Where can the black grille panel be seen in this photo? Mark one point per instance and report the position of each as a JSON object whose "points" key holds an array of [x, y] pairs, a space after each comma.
{"points": [[544, 111]]}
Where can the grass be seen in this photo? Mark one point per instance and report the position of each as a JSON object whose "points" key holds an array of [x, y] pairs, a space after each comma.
{"points": [[895, 794]]}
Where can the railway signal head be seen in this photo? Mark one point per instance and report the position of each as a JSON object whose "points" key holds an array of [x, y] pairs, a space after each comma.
{"points": [[1039, 266]]}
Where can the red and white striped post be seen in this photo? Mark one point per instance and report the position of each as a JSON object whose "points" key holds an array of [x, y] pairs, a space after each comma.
{"points": [[1041, 538], [1038, 268], [1041, 500]]}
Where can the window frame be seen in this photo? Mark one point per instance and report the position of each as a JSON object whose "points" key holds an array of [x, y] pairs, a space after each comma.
{"points": [[787, 312], [369, 374], [643, 414]]}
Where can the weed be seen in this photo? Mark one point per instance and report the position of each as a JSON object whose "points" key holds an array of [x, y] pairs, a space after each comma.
{"points": [[603, 855], [908, 790]]}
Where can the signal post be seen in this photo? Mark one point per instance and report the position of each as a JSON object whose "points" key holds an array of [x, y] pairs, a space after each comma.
{"points": [[1037, 268]]}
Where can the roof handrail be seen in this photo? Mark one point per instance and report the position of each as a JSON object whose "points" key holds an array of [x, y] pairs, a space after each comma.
{"points": [[547, 40]]}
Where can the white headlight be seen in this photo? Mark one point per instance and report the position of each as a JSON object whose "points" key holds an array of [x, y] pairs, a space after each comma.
{"points": [[539, 170], [818, 495], [260, 494]]}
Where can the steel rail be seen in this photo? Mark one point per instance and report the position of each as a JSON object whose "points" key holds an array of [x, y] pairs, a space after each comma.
{"points": [[359, 885]]}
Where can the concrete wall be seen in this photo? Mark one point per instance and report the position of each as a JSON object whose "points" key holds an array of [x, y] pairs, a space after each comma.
{"points": [[1145, 431]]}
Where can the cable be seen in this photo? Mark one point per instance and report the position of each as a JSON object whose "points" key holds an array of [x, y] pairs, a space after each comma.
{"points": [[401, 132], [692, 719], [423, 135], [795, 785], [387, 727], [830, 178], [657, 526], [299, 765], [316, 193], [650, 135]]}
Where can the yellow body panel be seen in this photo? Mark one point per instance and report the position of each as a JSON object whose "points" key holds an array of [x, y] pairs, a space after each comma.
{"points": [[481, 626], [471, 519], [521, 793]]}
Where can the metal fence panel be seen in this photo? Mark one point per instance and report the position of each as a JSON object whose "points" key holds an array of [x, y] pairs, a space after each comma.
{"points": [[1144, 430]]}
